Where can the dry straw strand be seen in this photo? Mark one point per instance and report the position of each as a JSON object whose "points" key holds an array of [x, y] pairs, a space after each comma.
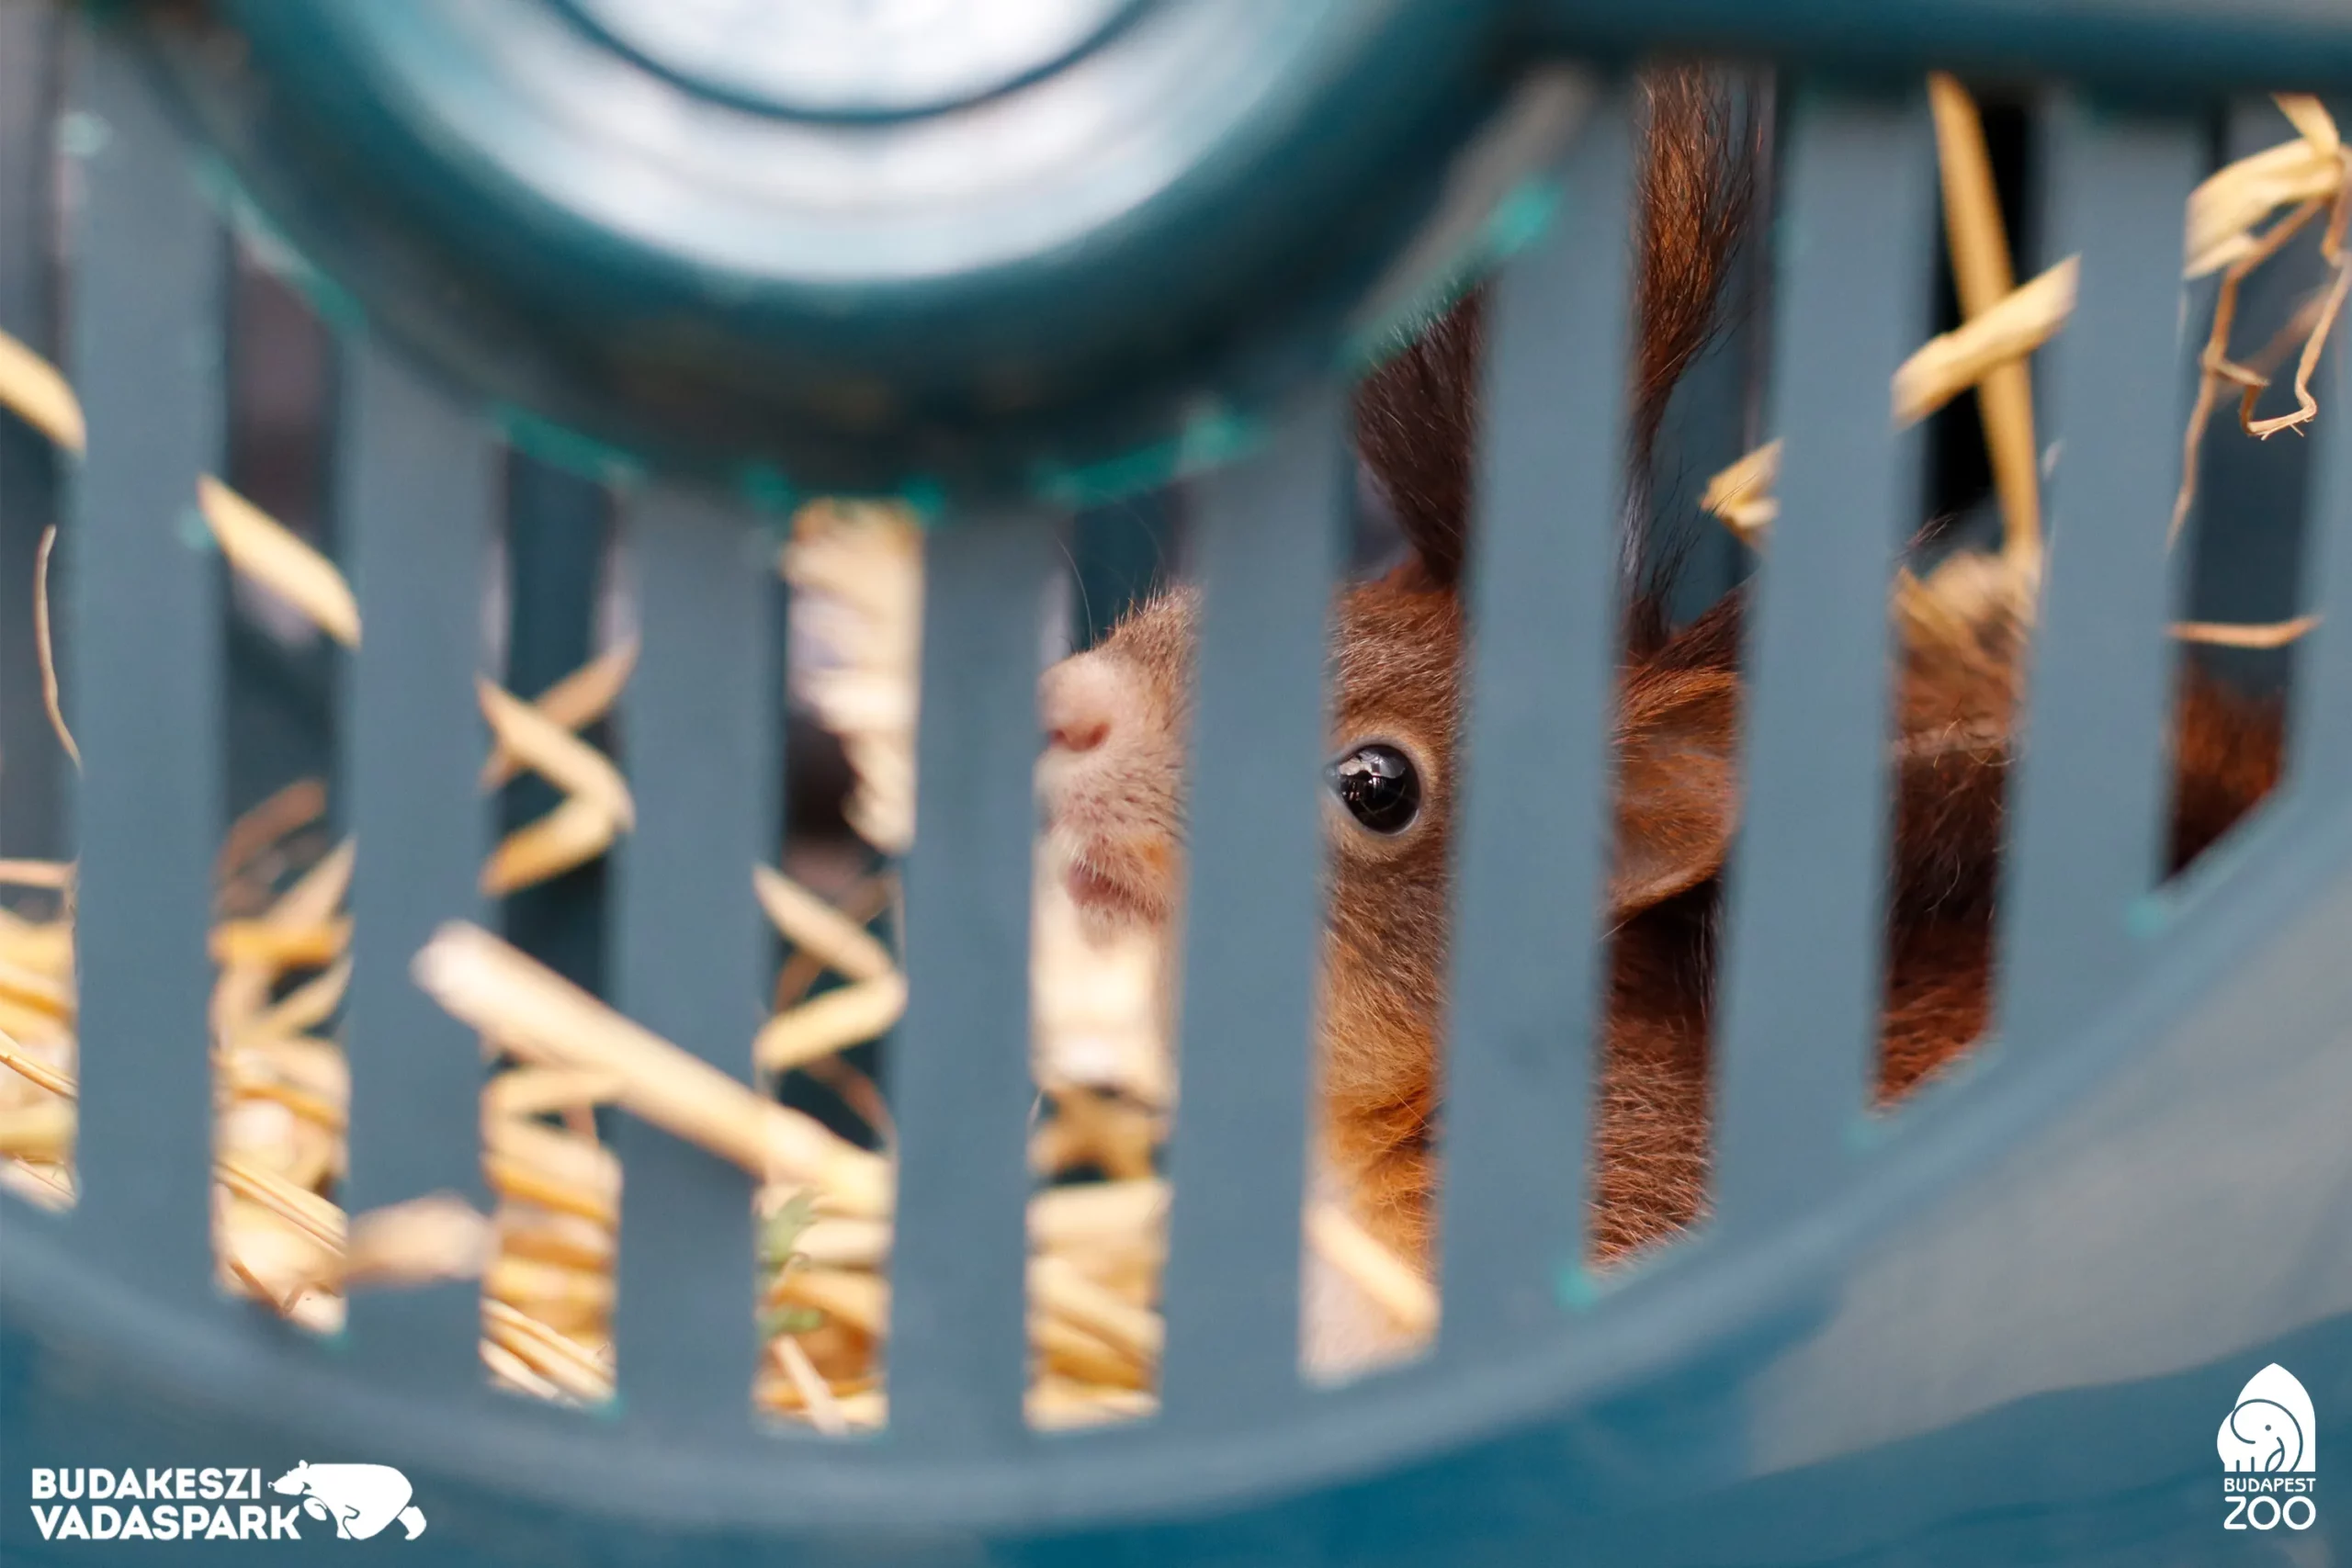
{"points": [[597, 807], [819, 929], [2313, 172], [512, 1370], [831, 1022], [314, 1216], [1058, 1404], [816, 1395], [2311, 120], [2306, 406], [31, 387], [1742, 494], [42, 1132], [524, 1230], [2226, 207], [1064, 1348], [1076, 1218], [2216, 369], [558, 1358], [859, 906], [1058, 1289], [2231, 634], [245, 1080], [844, 1243], [587, 1173], [860, 1094], [575, 703], [44, 1185], [856, 1298], [549, 749], [539, 1015], [321, 890], [1994, 339], [301, 1009], [438, 1237], [1386, 1279], [511, 1177], [279, 945], [577, 832], [46, 650], [538, 1091], [1983, 278], [281, 815], [559, 1294], [34, 1070], [48, 995], [272, 555]]}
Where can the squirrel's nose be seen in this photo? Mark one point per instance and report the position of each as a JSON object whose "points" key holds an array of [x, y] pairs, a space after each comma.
{"points": [[1081, 700]]}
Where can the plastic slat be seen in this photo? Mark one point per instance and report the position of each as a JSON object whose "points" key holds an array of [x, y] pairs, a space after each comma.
{"points": [[146, 705], [2320, 743], [1536, 772], [557, 525], [1797, 1029], [32, 781], [1268, 540], [418, 492], [28, 38], [959, 1078], [693, 959], [2089, 789]]}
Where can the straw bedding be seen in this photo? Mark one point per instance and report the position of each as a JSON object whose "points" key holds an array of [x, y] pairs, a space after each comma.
{"points": [[2232, 227]]}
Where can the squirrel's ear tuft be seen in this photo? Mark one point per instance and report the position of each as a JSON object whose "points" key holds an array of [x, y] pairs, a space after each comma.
{"points": [[1416, 420]]}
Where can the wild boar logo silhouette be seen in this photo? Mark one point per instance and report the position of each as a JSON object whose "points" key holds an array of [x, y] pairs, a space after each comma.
{"points": [[360, 1498]]}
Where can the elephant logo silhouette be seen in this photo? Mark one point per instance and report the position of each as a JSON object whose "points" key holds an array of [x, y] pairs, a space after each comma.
{"points": [[2270, 1430], [360, 1498]]}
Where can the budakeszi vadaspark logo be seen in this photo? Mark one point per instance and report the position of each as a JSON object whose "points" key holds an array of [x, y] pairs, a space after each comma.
{"points": [[360, 1498], [2268, 1443], [360, 1501]]}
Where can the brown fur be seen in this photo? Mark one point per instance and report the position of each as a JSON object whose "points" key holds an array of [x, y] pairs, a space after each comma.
{"points": [[1417, 414], [1119, 718], [1398, 650]]}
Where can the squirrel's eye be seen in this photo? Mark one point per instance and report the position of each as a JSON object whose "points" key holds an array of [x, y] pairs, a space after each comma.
{"points": [[1379, 787]]}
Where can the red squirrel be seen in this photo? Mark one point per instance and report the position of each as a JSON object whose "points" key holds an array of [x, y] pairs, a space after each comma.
{"points": [[1117, 719]]}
